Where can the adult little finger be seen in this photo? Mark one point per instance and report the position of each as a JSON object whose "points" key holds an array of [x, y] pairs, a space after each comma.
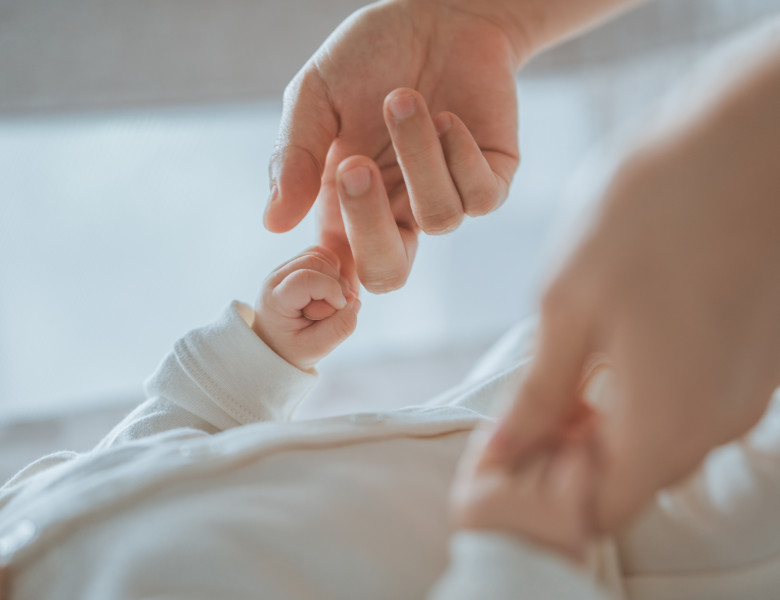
{"points": [[482, 179]]}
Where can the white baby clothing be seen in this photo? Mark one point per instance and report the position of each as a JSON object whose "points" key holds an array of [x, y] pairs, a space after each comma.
{"points": [[209, 490]]}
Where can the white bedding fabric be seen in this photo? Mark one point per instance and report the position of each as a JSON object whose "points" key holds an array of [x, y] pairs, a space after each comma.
{"points": [[168, 506]]}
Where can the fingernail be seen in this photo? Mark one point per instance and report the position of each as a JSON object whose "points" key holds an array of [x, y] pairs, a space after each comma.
{"points": [[356, 181], [401, 106], [274, 196], [442, 123], [271, 201]]}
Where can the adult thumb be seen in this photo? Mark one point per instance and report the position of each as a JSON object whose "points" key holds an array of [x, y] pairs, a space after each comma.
{"points": [[549, 394], [308, 127]]}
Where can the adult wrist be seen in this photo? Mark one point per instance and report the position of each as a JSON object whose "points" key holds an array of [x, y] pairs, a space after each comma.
{"points": [[520, 19], [517, 19], [532, 26]]}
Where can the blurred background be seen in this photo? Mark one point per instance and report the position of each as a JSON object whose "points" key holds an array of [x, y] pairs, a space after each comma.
{"points": [[134, 141]]}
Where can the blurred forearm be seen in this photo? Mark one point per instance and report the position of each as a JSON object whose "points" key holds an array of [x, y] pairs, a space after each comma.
{"points": [[549, 22], [535, 25]]}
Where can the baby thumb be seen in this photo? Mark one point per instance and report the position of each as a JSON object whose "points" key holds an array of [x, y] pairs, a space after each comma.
{"points": [[330, 332]]}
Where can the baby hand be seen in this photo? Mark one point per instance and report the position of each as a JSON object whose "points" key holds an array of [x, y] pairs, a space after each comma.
{"points": [[546, 495], [306, 308]]}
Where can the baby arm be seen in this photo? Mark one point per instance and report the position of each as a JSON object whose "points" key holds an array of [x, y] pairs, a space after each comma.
{"points": [[306, 308], [222, 376]]}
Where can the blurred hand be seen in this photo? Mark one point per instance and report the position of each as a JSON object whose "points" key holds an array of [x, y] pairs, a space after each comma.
{"points": [[444, 145], [677, 279], [545, 495], [306, 308]]}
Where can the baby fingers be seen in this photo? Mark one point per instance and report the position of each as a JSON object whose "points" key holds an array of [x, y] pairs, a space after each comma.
{"points": [[303, 286], [325, 335], [316, 258]]}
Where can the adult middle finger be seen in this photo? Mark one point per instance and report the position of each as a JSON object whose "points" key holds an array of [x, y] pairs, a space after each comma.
{"points": [[435, 201]]}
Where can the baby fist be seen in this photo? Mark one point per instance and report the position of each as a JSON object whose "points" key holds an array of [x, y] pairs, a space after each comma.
{"points": [[306, 308]]}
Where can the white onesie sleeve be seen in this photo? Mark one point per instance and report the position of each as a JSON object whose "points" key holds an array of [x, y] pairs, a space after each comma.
{"points": [[215, 377], [503, 567]]}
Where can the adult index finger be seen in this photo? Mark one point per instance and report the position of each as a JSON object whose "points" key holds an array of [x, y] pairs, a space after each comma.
{"points": [[383, 245]]}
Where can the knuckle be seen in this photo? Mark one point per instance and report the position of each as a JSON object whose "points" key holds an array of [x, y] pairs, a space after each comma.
{"points": [[481, 203], [350, 324], [383, 282], [308, 277], [301, 277], [322, 252], [415, 151], [345, 326], [313, 159], [440, 222], [487, 197], [293, 88], [316, 262], [497, 193]]}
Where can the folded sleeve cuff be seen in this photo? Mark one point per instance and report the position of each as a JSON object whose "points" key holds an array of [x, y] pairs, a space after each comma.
{"points": [[225, 374], [494, 565]]}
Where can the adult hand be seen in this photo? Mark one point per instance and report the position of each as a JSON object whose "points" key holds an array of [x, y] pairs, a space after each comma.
{"points": [[444, 146], [677, 279], [545, 496]]}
